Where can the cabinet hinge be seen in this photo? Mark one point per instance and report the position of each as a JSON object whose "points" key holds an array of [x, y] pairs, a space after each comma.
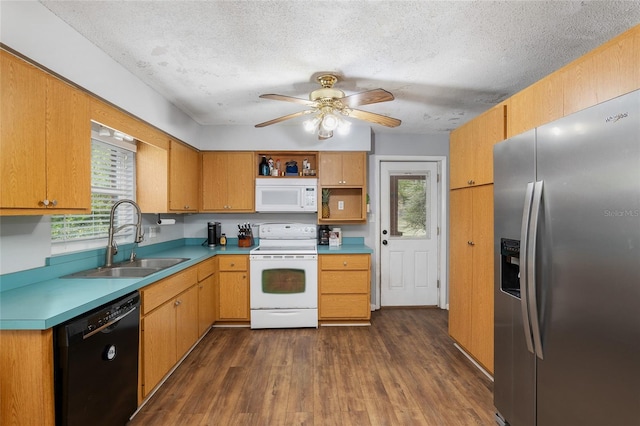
{"points": [[438, 283], [438, 178], [438, 230]]}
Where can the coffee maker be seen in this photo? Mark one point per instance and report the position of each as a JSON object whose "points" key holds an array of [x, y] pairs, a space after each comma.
{"points": [[214, 231], [323, 235]]}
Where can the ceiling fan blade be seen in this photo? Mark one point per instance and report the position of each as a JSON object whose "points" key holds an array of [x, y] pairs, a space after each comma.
{"points": [[289, 99], [284, 117], [374, 118], [366, 98]]}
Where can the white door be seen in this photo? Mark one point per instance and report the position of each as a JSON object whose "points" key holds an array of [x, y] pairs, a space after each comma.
{"points": [[409, 233]]}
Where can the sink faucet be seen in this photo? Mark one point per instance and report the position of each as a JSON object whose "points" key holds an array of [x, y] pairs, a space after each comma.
{"points": [[112, 247]]}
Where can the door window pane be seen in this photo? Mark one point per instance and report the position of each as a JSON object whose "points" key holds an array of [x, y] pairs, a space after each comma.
{"points": [[409, 201]]}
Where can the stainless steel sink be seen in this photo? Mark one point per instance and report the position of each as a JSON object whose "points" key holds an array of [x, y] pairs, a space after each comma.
{"points": [[161, 263], [130, 269]]}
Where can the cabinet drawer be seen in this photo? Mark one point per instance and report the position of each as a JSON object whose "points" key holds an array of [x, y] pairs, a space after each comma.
{"points": [[342, 262], [206, 268], [348, 306], [344, 282], [233, 263], [156, 294]]}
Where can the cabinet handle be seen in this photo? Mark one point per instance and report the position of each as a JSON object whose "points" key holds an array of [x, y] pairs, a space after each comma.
{"points": [[44, 202], [186, 207], [178, 303], [54, 203], [344, 263], [471, 182], [233, 264], [471, 243]]}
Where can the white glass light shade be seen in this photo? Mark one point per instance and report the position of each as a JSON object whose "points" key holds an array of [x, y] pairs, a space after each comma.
{"points": [[330, 122]]}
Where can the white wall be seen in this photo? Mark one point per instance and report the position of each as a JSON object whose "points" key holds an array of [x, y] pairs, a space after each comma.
{"points": [[32, 30]]}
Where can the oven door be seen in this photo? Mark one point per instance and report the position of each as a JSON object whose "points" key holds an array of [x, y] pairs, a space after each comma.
{"points": [[284, 281]]}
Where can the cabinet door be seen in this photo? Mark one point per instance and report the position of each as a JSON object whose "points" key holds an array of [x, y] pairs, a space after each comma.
{"points": [[483, 282], [183, 177], [186, 321], [342, 168], [460, 262], [234, 296], [214, 181], [206, 304], [471, 148], [241, 185], [158, 345], [354, 168], [68, 132], [330, 168], [461, 155], [22, 134]]}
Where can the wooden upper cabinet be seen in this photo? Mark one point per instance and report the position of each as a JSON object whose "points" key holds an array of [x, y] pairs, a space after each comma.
{"points": [[184, 167], [45, 138], [540, 103], [228, 181], [342, 168], [68, 130], [471, 148], [609, 71]]}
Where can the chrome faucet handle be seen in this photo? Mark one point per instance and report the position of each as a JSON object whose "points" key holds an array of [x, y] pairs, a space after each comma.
{"points": [[115, 247], [133, 255]]}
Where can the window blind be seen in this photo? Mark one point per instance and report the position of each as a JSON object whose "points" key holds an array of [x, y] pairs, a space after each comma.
{"points": [[112, 179]]}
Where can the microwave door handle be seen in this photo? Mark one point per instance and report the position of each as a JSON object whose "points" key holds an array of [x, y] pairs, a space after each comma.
{"points": [[524, 266]]}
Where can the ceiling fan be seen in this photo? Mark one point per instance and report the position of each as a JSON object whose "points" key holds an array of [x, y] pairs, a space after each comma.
{"points": [[329, 104]]}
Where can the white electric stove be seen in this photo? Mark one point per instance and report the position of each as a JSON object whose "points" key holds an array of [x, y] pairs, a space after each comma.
{"points": [[284, 277]]}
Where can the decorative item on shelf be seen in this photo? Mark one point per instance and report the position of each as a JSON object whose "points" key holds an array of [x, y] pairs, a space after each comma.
{"points": [[368, 205], [326, 193], [291, 168], [245, 235], [263, 169]]}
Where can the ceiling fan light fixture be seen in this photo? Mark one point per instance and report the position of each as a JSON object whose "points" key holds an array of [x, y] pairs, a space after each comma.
{"points": [[311, 124], [330, 122], [324, 134], [344, 127]]}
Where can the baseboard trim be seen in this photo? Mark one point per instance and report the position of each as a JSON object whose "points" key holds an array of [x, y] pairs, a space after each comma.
{"points": [[486, 373]]}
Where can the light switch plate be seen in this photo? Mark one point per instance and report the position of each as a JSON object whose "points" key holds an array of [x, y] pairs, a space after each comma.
{"points": [[340, 205]]}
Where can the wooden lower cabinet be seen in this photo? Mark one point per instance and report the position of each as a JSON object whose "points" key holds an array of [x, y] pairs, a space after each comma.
{"points": [[471, 272], [207, 275], [233, 288], [344, 287], [169, 326], [26, 378]]}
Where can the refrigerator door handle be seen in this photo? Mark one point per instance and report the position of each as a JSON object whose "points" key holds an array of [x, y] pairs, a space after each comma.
{"points": [[524, 265], [532, 284]]}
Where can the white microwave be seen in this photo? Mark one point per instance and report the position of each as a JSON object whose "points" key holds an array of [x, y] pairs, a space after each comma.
{"points": [[282, 194]]}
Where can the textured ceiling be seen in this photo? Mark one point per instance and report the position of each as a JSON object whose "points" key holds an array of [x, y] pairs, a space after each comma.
{"points": [[445, 61]]}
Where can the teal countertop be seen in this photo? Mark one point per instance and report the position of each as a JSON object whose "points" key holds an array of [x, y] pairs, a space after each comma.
{"points": [[32, 300]]}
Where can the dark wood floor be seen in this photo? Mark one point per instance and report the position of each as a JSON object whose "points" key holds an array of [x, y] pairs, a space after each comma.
{"points": [[402, 370]]}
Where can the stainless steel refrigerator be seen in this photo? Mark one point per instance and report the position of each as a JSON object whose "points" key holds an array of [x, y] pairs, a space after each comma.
{"points": [[567, 262]]}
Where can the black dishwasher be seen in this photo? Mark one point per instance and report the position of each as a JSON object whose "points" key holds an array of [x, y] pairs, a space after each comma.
{"points": [[97, 365]]}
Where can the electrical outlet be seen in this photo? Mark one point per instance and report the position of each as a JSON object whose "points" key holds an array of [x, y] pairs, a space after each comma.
{"points": [[340, 205], [153, 232]]}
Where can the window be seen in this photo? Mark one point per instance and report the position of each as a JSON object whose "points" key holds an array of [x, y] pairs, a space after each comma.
{"points": [[112, 179], [409, 201]]}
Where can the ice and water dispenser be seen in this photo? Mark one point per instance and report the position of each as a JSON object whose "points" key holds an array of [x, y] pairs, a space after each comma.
{"points": [[510, 266]]}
